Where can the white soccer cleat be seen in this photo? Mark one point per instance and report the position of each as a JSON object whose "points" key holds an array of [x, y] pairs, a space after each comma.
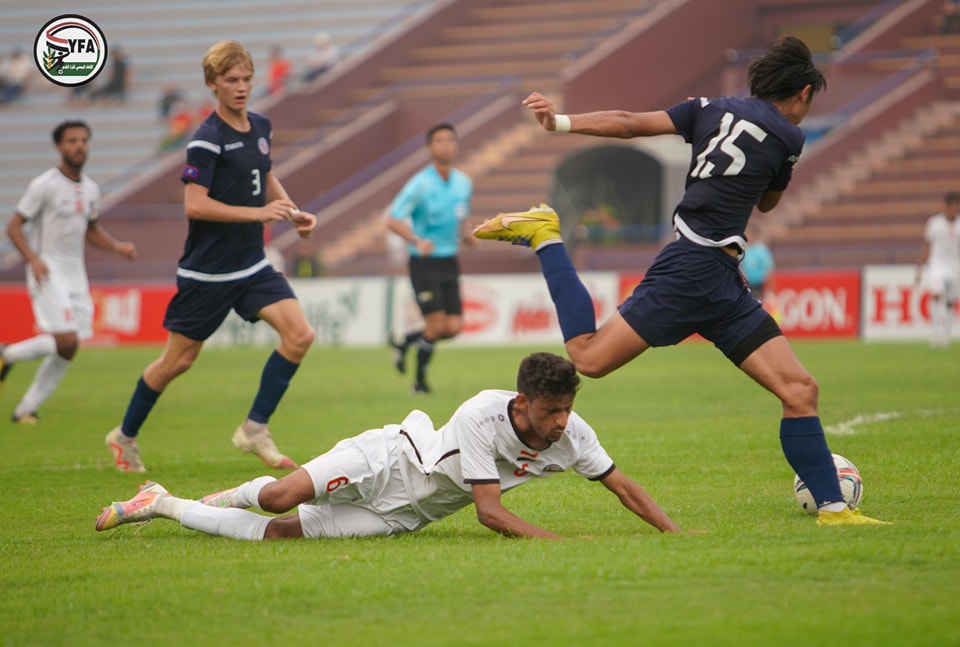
{"points": [[261, 444], [126, 453]]}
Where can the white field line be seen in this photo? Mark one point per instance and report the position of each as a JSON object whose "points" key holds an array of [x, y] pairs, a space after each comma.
{"points": [[849, 427]]}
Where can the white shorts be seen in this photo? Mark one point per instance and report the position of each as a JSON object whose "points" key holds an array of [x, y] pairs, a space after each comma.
{"points": [[942, 282], [360, 490], [57, 310]]}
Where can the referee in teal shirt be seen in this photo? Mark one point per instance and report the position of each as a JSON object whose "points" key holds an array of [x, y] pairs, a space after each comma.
{"points": [[429, 213]]}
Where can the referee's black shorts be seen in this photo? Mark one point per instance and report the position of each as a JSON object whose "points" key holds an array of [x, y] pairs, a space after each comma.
{"points": [[436, 284]]}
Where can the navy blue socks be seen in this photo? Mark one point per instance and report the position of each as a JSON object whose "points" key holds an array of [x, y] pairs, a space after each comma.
{"points": [[141, 403], [806, 450], [573, 303], [276, 376]]}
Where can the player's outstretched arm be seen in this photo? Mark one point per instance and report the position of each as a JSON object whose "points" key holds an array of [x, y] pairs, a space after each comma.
{"points": [[635, 498], [605, 123], [492, 514]]}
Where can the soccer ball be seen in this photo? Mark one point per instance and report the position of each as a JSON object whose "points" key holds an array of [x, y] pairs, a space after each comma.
{"points": [[851, 485]]}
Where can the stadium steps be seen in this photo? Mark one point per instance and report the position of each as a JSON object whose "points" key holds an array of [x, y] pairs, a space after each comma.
{"points": [[876, 202]]}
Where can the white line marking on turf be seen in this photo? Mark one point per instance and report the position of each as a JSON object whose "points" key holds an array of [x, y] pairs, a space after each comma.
{"points": [[849, 427]]}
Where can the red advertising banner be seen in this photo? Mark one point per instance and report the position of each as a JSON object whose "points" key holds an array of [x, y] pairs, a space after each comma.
{"points": [[123, 314], [818, 303]]}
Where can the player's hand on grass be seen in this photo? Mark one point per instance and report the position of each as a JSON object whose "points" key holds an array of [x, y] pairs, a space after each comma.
{"points": [[543, 110]]}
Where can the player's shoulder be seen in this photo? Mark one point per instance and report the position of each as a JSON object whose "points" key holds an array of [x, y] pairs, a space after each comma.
{"points": [[209, 129], [461, 177], [259, 123]]}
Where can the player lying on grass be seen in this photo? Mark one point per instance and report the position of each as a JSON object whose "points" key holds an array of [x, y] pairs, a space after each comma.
{"points": [[402, 477]]}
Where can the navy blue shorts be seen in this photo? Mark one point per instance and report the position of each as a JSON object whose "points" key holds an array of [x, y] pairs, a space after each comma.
{"points": [[694, 289], [436, 284], [199, 307]]}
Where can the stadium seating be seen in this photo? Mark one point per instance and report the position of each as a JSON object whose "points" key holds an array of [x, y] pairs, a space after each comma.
{"points": [[164, 42]]}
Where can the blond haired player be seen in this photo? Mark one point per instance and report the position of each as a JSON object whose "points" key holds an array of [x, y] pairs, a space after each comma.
{"points": [[230, 191]]}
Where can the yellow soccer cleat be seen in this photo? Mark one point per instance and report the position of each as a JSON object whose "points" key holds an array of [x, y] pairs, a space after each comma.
{"points": [[528, 228], [847, 517]]}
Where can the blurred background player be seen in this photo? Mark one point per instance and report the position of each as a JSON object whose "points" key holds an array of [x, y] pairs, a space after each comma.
{"points": [[402, 477], [743, 152], [230, 193], [757, 264], [429, 213], [61, 207], [939, 268]]}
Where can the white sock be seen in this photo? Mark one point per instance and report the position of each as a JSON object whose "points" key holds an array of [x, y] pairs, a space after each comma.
{"points": [[247, 495], [28, 349], [171, 507], [252, 428], [833, 507], [45, 382], [939, 315], [224, 522]]}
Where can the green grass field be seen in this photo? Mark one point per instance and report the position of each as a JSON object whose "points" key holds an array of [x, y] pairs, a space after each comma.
{"points": [[697, 434]]}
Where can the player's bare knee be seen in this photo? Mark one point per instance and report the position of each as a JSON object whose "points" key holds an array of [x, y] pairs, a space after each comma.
{"points": [[801, 395], [300, 338]]}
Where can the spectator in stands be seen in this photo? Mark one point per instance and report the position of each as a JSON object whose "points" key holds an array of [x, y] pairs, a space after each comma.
{"points": [[169, 100], [429, 213], [940, 267], [305, 263], [14, 76], [950, 21], [323, 56], [180, 123], [278, 74], [115, 89]]}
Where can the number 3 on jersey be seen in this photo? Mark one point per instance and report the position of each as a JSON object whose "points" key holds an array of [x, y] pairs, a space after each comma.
{"points": [[725, 141], [256, 181]]}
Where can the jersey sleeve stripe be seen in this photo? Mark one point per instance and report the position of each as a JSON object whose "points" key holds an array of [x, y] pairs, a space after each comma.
{"points": [[605, 474], [199, 143]]}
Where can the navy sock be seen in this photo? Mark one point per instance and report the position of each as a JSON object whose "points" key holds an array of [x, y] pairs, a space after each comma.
{"points": [[276, 376], [141, 403], [424, 353], [570, 298], [806, 450]]}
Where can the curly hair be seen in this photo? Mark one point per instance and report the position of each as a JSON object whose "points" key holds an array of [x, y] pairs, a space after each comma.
{"points": [[547, 375], [783, 71]]}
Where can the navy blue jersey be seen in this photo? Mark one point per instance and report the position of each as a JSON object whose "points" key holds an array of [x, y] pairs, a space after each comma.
{"points": [[741, 148], [233, 166]]}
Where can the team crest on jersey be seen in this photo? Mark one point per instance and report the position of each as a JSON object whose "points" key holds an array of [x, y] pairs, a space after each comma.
{"points": [[264, 146], [70, 50], [552, 467]]}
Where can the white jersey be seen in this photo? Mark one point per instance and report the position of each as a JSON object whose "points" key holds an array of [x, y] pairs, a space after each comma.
{"points": [[59, 211], [943, 236], [480, 445]]}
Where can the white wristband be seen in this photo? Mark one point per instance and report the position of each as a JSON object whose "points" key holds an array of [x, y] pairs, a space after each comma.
{"points": [[563, 124]]}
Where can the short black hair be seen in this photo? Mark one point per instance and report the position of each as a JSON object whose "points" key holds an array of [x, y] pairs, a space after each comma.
{"points": [[784, 70], [441, 126], [62, 128], [547, 375], [952, 198]]}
